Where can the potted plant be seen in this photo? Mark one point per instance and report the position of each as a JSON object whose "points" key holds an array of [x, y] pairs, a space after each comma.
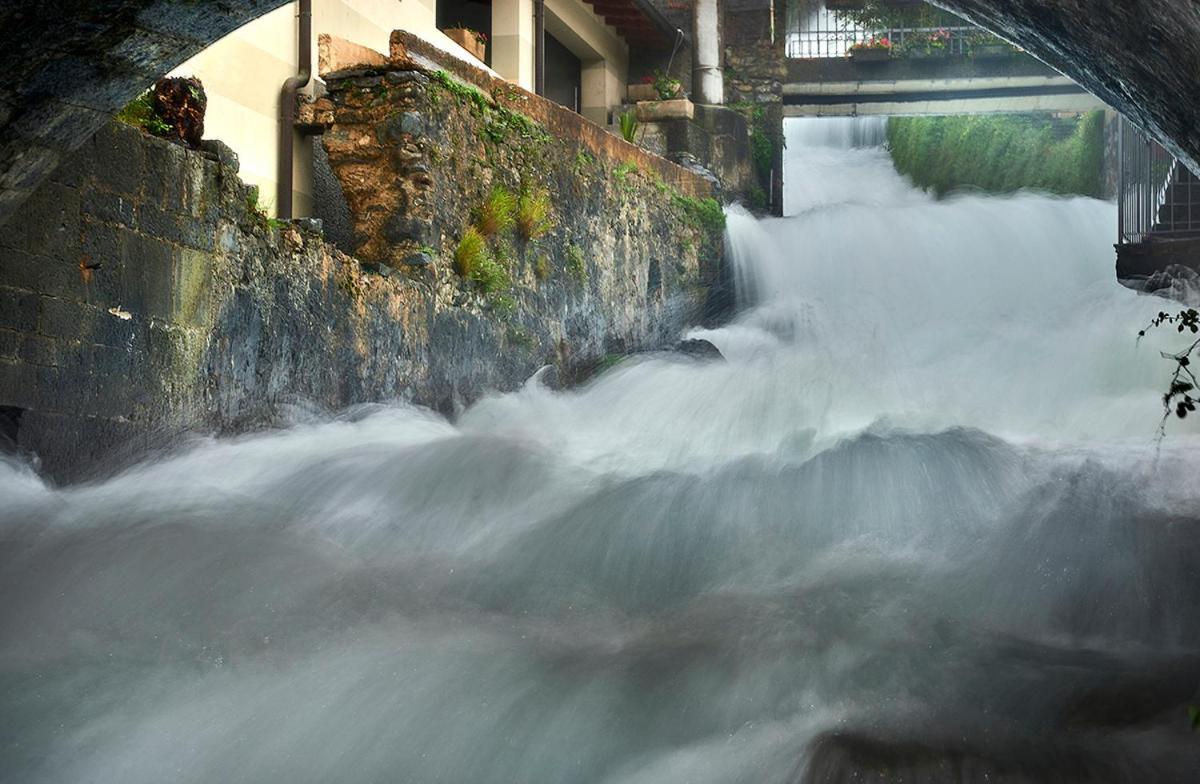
{"points": [[473, 41], [873, 50]]}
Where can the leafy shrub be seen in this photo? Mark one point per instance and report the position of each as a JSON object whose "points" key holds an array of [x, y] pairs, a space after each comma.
{"points": [[497, 213], [140, 113], [629, 126], [534, 213]]}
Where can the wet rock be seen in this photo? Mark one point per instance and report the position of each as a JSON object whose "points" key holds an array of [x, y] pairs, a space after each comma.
{"points": [[406, 77], [402, 228], [699, 348], [180, 102], [222, 153], [417, 260]]}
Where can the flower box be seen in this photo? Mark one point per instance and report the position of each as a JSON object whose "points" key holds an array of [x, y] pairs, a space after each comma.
{"points": [[874, 54], [473, 42], [928, 54], [674, 109], [641, 92], [991, 51]]}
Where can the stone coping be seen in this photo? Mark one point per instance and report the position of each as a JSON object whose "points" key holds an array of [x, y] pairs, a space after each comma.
{"points": [[558, 120]]}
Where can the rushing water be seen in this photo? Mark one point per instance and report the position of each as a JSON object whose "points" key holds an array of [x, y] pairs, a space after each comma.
{"points": [[916, 527]]}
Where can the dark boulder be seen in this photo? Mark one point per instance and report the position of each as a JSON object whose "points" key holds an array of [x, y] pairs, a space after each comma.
{"points": [[699, 348]]}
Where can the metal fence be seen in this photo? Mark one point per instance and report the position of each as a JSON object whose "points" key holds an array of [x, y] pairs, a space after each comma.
{"points": [[1156, 195], [815, 31]]}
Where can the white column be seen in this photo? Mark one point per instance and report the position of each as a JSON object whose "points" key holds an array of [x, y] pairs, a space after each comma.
{"points": [[707, 79], [512, 40]]}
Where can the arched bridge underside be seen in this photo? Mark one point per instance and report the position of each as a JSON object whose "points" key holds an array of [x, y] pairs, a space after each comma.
{"points": [[71, 64]]}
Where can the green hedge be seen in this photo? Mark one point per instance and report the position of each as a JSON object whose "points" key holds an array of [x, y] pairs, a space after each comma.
{"points": [[1001, 153]]}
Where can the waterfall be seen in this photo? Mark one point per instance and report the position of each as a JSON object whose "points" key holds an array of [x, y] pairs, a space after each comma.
{"points": [[917, 517]]}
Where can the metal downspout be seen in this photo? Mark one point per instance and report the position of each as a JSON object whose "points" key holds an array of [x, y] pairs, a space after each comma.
{"points": [[539, 47], [287, 112]]}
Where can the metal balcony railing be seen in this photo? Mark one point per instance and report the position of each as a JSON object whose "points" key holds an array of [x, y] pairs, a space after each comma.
{"points": [[1156, 195], [815, 31]]}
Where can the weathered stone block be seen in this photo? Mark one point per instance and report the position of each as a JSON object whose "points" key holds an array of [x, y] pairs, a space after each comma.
{"points": [[676, 108], [338, 54], [49, 223], [117, 155], [108, 206], [18, 309], [10, 340]]}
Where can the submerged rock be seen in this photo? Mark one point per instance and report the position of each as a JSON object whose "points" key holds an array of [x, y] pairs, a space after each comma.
{"points": [[700, 348]]}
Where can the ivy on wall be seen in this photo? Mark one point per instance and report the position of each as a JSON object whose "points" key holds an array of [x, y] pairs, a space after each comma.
{"points": [[1001, 153]]}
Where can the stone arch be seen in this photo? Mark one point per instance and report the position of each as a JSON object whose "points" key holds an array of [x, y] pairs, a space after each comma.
{"points": [[69, 65]]}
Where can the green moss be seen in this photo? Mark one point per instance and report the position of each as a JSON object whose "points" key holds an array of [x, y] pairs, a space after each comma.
{"points": [[1001, 153], [703, 214], [140, 113], [466, 93], [541, 267], [622, 172], [576, 266]]}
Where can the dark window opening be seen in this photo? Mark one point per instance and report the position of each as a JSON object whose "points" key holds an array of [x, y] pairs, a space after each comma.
{"points": [[471, 14], [10, 424], [564, 74]]}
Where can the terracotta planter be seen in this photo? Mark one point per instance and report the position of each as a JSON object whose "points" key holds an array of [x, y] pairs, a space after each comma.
{"points": [[873, 55], [467, 40], [674, 109]]}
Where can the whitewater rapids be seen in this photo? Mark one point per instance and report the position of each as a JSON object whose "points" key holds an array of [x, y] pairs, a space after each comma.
{"points": [[916, 527]]}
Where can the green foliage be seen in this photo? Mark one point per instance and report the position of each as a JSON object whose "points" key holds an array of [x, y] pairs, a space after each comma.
{"points": [[497, 213], [470, 253], [622, 172], [1001, 153], [499, 121], [502, 304], [1181, 397], [703, 214], [583, 161], [576, 266], [541, 267], [763, 141], [665, 85], [535, 214], [140, 113], [881, 15], [1194, 717], [629, 126]]}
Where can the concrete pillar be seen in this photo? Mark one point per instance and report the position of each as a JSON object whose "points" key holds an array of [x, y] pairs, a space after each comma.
{"points": [[601, 90], [708, 81], [512, 40]]}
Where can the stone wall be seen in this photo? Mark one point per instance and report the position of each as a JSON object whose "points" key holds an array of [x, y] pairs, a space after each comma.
{"points": [[755, 70], [142, 294]]}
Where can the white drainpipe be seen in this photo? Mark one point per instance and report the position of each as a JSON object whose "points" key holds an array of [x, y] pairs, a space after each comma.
{"points": [[708, 82]]}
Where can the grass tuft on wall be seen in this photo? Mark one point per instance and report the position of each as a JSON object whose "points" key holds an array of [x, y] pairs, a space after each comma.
{"points": [[1001, 153]]}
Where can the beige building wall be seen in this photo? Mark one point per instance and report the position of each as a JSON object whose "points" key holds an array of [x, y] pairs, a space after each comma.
{"points": [[603, 53], [243, 72]]}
